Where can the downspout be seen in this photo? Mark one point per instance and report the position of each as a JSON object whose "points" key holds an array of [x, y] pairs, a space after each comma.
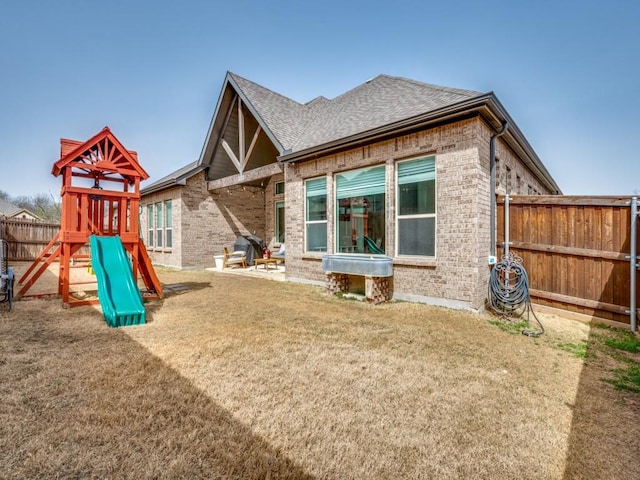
{"points": [[492, 167]]}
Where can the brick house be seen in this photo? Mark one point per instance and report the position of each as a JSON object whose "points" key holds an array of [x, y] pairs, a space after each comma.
{"points": [[393, 169], [8, 209]]}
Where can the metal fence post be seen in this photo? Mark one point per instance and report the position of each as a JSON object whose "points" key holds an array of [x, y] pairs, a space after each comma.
{"points": [[633, 258], [506, 226]]}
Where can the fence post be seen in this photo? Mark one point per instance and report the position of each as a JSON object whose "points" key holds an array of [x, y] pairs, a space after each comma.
{"points": [[506, 226], [633, 258]]}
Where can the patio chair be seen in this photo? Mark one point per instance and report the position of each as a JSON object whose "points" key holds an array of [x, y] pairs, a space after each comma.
{"points": [[235, 258], [280, 254]]}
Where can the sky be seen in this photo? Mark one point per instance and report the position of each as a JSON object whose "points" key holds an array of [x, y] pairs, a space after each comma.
{"points": [[152, 70]]}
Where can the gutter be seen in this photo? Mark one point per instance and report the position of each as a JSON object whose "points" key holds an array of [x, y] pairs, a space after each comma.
{"points": [[492, 167]]}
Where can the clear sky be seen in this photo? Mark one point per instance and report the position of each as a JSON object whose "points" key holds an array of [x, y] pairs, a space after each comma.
{"points": [[568, 72]]}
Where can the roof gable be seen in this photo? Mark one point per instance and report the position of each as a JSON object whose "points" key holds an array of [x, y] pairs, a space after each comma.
{"points": [[102, 154], [292, 126], [285, 118], [7, 208], [382, 107]]}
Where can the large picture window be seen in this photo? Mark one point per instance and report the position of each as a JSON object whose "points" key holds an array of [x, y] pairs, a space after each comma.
{"points": [[416, 207], [360, 211], [316, 215]]}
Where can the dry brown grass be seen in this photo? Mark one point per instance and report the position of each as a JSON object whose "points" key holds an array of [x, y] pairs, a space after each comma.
{"points": [[238, 377]]}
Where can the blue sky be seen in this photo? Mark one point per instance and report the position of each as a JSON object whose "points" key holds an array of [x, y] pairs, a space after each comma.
{"points": [[567, 72]]}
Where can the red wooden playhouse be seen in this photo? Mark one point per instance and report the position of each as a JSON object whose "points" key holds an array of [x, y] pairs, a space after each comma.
{"points": [[100, 198]]}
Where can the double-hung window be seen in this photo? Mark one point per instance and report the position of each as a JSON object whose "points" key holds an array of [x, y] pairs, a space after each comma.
{"points": [[168, 225], [416, 207], [279, 222], [360, 211], [150, 218], [159, 223], [316, 215]]}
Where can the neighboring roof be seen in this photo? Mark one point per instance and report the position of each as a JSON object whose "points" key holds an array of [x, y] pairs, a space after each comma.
{"points": [[179, 177], [8, 209], [379, 108]]}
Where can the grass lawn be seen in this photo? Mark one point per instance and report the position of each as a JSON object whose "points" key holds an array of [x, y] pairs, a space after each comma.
{"points": [[237, 377]]}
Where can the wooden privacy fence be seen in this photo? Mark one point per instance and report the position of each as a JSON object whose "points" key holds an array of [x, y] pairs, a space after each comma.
{"points": [[576, 251], [26, 238]]}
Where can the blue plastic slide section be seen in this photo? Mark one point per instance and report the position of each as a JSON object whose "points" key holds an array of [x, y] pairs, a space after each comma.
{"points": [[119, 295]]}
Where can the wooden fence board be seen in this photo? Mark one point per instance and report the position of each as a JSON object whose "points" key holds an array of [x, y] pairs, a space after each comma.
{"points": [[26, 238], [575, 251]]}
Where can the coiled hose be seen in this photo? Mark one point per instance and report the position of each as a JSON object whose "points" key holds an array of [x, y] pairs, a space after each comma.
{"points": [[509, 291]]}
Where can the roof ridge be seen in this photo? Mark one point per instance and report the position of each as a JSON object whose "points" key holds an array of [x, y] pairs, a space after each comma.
{"points": [[236, 76], [442, 88]]}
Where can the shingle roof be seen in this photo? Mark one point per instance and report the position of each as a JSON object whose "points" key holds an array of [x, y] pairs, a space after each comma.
{"points": [[177, 177], [7, 208], [379, 108], [380, 101], [286, 118]]}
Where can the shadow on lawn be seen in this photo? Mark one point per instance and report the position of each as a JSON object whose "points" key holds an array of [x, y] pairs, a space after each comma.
{"points": [[85, 400], [604, 441]]}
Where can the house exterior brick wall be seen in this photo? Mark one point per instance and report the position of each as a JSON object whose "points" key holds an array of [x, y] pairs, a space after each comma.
{"points": [[205, 222], [171, 257], [270, 199], [459, 273]]}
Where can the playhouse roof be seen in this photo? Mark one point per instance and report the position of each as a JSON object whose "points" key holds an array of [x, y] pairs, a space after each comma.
{"points": [[102, 154]]}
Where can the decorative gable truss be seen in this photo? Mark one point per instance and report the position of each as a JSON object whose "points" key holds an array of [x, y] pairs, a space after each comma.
{"points": [[242, 158], [240, 148]]}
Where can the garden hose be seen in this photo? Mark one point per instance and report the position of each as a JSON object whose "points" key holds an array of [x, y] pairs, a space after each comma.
{"points": [[509, 291]]}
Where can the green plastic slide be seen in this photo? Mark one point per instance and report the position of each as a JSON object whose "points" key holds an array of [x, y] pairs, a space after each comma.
{"points": [[119, 295]]}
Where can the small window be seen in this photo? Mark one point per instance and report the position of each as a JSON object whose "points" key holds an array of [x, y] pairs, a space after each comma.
{"points": [[316, 215], [279, 222], [279, 188]]}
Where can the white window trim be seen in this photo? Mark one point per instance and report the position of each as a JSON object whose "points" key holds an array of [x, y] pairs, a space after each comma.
{"points": [[422, 215], [275, 218], [315, 222], [336, 209], [165, 227]]}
